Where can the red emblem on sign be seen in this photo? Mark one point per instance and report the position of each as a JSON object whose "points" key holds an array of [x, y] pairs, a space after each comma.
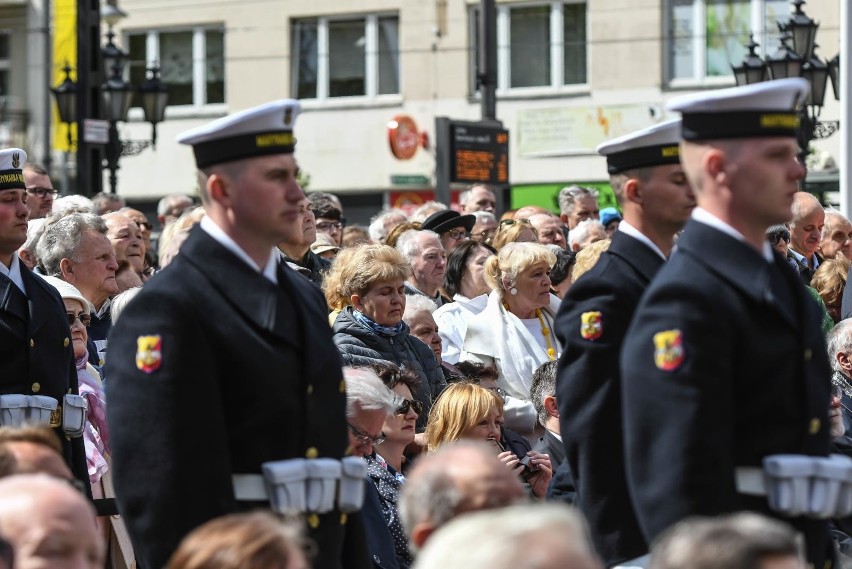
{"points": [[403, 137]]}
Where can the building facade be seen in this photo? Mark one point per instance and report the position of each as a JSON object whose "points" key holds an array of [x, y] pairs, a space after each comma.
{"points": [[571, 74]]}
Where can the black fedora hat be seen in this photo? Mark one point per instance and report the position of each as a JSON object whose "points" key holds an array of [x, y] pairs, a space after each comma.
{"points": [[443, 221]]}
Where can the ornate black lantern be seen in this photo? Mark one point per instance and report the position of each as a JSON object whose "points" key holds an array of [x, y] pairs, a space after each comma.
{"points": [[803, 28], [155, 96], [784, 62], [752, 69], [66, 98]]}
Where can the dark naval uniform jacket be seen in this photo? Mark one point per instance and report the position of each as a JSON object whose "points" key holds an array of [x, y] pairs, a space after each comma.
{"points": [[36, 353], [213, 371], [591, 325], [723, 364]]}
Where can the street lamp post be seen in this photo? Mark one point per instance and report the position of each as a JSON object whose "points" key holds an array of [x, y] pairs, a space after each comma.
{"points": [[799, 60], [117, 97]]}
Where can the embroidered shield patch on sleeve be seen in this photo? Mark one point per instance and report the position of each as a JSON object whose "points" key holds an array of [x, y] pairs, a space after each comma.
{"points": [[591, 325], [668, 349], [149, 354]]}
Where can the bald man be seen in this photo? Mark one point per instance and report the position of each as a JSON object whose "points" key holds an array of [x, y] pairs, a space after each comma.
{"points": [[461, 477], [805, 234], [49, 524]]}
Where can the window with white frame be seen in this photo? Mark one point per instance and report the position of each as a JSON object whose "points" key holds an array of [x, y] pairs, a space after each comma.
{"points": [[705, 37], [345, 57], [191, 61], [539, 45]]}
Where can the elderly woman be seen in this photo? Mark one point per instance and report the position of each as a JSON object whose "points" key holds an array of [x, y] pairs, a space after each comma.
{"points": [[418, 315], [385, 468], [370, 330], [465, 282], [515, 331], [469, 411], [96, 433], [829, 281]]}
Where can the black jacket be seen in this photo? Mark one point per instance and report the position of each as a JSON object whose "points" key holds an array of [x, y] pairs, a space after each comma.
{"points": [[313, 263], [360, 346], [213, 371], [36, 353], [723, 364], [551, 446], [589, 391]]}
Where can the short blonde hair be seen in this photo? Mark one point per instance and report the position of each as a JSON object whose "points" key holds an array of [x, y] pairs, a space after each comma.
{"points": [[332, 283], [255, 540], [587, 257], [366, 265], [512, 260], [509, 232], [459, 408], [829, 280]]}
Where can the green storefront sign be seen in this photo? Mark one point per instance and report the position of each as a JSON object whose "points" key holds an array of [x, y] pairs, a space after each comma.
{"points": [[546, 195]]}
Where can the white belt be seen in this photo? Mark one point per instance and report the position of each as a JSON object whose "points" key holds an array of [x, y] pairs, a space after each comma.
{"points": [[750, 480], [249, 488]]}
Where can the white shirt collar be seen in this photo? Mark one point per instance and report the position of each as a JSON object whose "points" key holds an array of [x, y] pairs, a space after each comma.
{"points": [[628, 229], [14, 272], [269, 270], [707, 218]]}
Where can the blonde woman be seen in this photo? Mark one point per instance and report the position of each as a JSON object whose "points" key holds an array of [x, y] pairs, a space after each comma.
{"points": [[515, 331], [514, 231], [469, 411]]}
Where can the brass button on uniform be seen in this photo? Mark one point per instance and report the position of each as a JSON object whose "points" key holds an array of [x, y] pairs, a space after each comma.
{"points": [[65, 342], [312, 453], [808, 354], [342, 386], [36, 387], [32, 343], [313, 521], [343, 518], [310, 388], [815, 425]]}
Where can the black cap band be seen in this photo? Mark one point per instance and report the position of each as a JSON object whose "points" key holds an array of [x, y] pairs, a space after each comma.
{"points": [[243, 146], [642, 158], [739, 124], [12, 180]]}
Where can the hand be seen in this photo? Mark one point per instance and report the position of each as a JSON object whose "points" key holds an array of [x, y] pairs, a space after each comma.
{"points": [[511, 461], [835, 418], [540, 479]]}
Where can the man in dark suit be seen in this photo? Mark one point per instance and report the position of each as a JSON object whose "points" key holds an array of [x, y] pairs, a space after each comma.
{"points": [[36, 355], [805, 234], [724, 363], [656, 200], [543, 397], [224, 362]]}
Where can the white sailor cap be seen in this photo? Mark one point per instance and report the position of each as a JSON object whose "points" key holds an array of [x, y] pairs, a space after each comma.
{"points": [[259, 131], [12, 162], [653, 146], [751, 111]]}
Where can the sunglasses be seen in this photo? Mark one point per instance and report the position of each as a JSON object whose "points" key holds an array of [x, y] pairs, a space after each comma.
{"points": [[511, 222], [458, 233], [366, 439], [501, 393], [409, 404], [775, 238], [84, 318]]}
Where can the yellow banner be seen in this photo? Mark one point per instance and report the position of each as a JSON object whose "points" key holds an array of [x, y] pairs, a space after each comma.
{"points": [[64, 52]]}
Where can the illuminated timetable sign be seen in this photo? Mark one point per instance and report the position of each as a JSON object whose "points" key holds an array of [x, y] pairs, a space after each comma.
{"points": [[478, 153]]}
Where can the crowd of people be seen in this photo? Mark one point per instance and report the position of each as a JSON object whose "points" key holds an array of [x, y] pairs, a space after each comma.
{"points": [[258, 384]]}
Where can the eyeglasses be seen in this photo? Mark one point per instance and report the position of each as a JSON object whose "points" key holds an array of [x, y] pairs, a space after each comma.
{"points": [[84, 318], [41, 192], [458, 233], [144, 225], [409, 404], [329, 226], [366, 439]]}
